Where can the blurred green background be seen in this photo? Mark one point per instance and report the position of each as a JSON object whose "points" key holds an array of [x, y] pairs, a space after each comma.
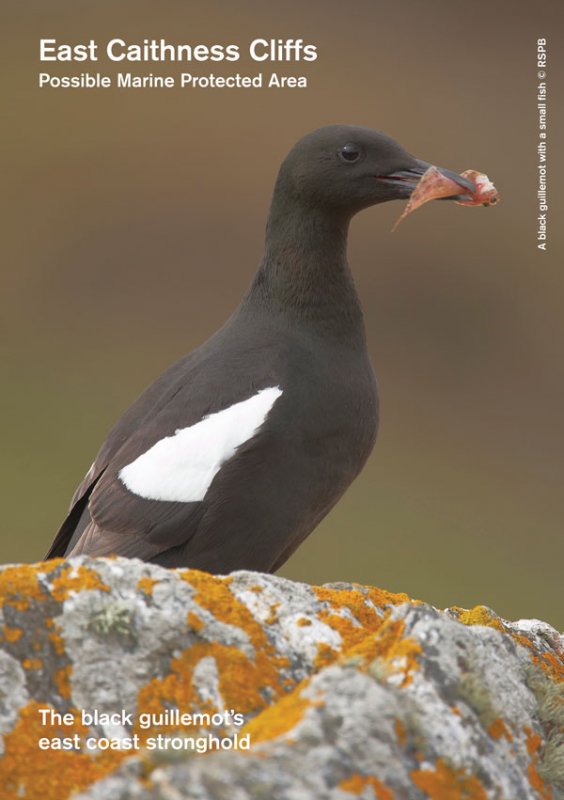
{"points": [[133, 223]]}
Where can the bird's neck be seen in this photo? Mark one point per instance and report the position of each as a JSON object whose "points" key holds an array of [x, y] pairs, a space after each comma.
{"points": [[304, 272]]}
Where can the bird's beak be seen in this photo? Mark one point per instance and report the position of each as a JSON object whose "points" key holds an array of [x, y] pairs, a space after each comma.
{"points": [[407, 179]]}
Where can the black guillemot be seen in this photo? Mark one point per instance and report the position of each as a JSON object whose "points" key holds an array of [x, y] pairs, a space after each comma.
{"points": [[236, 452]]}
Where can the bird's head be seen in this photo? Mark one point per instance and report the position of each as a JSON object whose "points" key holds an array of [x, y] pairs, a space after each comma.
{"points": [[346, 168]]}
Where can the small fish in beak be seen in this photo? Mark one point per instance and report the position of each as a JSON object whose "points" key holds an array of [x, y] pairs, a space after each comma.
{"points": [[434, 185], [485, 195]]}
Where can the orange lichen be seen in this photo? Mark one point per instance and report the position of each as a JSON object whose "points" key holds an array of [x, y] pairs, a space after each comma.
{"points": [[383, 598], [480, 615], [56, 639], [324, 656], [195, 622], [251, 680], [19, 585], [146, 584], [389, 644], [247, 682], [28, 771], [241, 683], [354, 614], [537, 782], [279, 719], [214, 595], [11, 634], [62, 680], [350, 615], [357, 783], [446, 783], [273, 615], [400, 731], [76, 579], [551, 666], [498, 728], [257, 589], [353, 601], [32, 663], [534, 742]]}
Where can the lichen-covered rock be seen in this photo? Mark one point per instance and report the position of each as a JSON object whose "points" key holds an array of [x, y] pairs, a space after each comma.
{"points": [[180, 685]]}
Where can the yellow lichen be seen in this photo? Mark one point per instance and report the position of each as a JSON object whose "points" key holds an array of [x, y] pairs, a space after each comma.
{"points": [[303, 622], [446, 783], [28, 771], [479, 615], [74, 580], [357, 783]]}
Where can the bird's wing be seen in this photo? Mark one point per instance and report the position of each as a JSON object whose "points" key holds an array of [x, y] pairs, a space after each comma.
{"points": [[152, 492], [154, 397]]}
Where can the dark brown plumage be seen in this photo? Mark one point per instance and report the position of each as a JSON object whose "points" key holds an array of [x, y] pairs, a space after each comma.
{"points": [[298, 335]]}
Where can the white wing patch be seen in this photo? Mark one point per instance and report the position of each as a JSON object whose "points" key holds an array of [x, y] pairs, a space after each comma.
{"points": [[181, 467]]}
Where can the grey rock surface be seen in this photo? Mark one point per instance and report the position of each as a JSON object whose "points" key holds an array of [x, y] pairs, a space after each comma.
{"points": [[309, 692]]}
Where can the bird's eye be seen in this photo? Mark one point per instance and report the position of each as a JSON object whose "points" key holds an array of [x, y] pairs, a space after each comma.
{"points": [[350, 152]]}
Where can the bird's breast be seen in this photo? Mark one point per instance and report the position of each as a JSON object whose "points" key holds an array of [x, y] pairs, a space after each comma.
{"points": [[333, 411]]}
